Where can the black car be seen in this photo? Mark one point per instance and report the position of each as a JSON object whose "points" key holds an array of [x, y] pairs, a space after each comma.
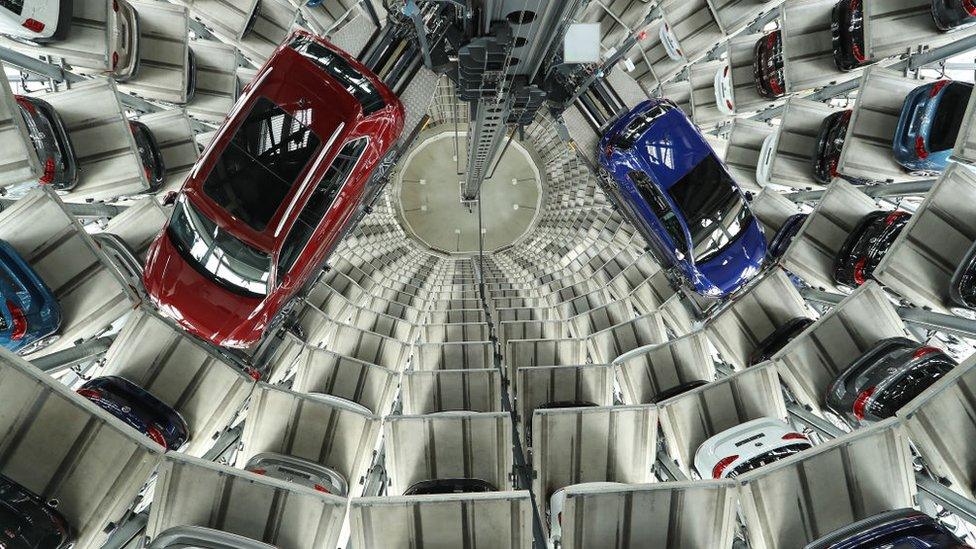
{"points": [[784, 236], [139, 409], [50, 139], [677, 390], [778, 339], [847, 34], [830, 143], [191, 74], [962, 287], [882, 380], [866, 246], [901, 528], [951, 14], [767, 66], [149, 154], [28, 522], [449, 486]]}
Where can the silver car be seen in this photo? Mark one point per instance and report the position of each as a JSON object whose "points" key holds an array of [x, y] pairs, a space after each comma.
{"points": [[299, 471], [123, 40]]}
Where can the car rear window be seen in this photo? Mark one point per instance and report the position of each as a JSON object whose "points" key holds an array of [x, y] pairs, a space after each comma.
{"points": [[909, 386], [634, 129], [216, 254], [261, 163], [948, 116], [767, 458], [714, 210], [15, 6], [354, 81]]}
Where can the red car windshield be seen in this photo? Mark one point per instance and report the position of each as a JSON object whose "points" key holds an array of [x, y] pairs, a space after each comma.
{"points": [[261, 163], [351, 79], [216, 254]]}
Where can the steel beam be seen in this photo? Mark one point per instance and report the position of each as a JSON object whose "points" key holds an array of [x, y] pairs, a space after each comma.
{"points": [[908, 188], [62, 360]]}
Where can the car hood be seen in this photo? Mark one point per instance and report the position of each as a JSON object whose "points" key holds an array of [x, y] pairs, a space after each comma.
{"points": [[198, 304], [737, 263]]}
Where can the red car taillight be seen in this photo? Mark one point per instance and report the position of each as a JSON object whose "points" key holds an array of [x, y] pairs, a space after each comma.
{"points": [[90, 394], [157, 437], [321, 488], [937, 87], [922, 351], [894, 216], [115, 5], [254, 373], [920, 151], [115, 60], [19, 321], [721, 465], [859, 276], [861, 402], [33, 25], [259, 471], [970, 7], [48, 175], [794, 436]]}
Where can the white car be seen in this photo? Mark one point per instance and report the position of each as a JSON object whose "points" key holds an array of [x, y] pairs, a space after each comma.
{"points": [[670, 43], [41, 21], [123, 23], [765, 160], [299, 471], [343, 403], [558, 499], [723, 91], [185, 537], [748, 446]]}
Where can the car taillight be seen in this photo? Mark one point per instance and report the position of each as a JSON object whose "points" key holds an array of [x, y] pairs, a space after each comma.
{"points": [[19, 321], [258, 471], [833, 166], [859, 277], [729, 104], [254, 373], [115, 5], [922, 351], [642, 35], [25, 104], [721, 465], [937, 87], [861, 402], [970, 7], [858, 54], [894, 216], [90, 394], [920, 151], [115, 60], [321, 488], [775, 85], [157, 436], [33, 25], [794, 436], [48, 175], [726, 71]]}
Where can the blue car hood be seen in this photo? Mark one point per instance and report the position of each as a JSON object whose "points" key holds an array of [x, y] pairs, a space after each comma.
{"points": [[745, 253]]}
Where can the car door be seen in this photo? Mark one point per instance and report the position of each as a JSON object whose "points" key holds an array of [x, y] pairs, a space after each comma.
{"points": [[667, 232]]}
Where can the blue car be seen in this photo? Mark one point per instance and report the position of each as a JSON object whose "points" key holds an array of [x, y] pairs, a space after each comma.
{"points": [[900, 528], [31, 314], [139, 409], [680, 196], [928, 125]]}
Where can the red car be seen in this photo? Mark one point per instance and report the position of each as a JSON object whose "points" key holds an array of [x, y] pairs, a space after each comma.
{"points": [[270, 197]]}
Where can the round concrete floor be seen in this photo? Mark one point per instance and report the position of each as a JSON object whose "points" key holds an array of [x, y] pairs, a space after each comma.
{"points": [[429, 197]]}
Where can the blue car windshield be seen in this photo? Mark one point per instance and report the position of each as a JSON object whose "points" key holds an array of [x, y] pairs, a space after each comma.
{"points": [[712, 206]]}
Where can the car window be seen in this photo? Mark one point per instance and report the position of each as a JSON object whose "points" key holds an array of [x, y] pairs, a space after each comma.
{"points": [[261, 163], [318, 204], [659, 206], [216, 254], [949, 115], [629, 135], [714, 210], [15, 6], [354, 81]]}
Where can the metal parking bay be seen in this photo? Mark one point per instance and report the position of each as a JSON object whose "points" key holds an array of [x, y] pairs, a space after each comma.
{"points": [[164, 71], [18, 158], [965, 146], [325, 372], [181, 372], [70, 450], [217, 87], [86, 48], [694, 26], [792, 156], [738, 328], [811, 361], [812, 253], [608, 344], [108, 158], [454, 356], [139, 224], [701, 77], [772, 209], [691, 418], [797, 500], [523, 353], [808, 53], [274, 20], [224, 18], [175, 137], [654, 67], [645, 372], [448, 445], [867, 151], [922, 260], [309, 427], [92, 294], [742, 153], [939, 422], [670, 514], [194, 492], [741, 54], [428, 392], [893, 27], [538, 386], [490, 520]]}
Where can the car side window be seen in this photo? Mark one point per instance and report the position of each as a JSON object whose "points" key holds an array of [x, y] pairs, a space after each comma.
{"points": [[318, 204], [659, 206]]}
